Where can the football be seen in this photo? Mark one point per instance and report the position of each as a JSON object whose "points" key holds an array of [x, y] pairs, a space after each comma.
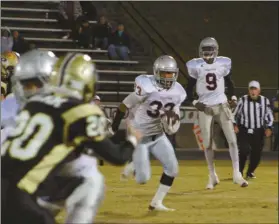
{"points": [[171, 115]]}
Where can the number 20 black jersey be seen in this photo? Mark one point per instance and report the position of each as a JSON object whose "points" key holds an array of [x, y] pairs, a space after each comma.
{"points": [[48, 132]]}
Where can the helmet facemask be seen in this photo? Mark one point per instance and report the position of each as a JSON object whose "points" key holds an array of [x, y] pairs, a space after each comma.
{"points": [[209, 53], [26, 88], [166, 79]]}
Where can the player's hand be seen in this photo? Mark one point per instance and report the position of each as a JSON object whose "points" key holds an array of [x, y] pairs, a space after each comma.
{"points": [[268, 132], [133, 131], [200, 106], [236, 130], [232, 103]]}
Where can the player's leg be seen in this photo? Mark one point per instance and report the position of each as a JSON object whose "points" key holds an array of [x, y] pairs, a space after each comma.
{"points": [[243, 141], [257, 143], [21, 208], [54, 192], [83, 203], [164, 152], [141, 162], [128, 171], [205, 123], [225, 121]]}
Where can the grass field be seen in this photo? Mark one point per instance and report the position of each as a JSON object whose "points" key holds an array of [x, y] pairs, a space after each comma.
{"points": [[127, 202]]}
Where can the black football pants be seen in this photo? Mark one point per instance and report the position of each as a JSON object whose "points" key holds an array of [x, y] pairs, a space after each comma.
{"points": [[250, 145]]}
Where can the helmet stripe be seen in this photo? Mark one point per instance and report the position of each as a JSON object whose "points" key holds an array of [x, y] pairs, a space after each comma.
{"points": [[64, 65]]}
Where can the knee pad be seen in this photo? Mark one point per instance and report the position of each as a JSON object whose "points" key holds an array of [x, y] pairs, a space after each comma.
{"points": [[166, 180]]}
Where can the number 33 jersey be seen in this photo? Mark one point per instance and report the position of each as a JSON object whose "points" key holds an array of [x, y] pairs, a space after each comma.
{"points": [[210, 85], [149, 102]]}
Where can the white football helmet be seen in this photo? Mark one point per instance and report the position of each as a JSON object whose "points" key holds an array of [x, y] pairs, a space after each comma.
{"points": [[33, 69], [208, 49], [165, 71]]}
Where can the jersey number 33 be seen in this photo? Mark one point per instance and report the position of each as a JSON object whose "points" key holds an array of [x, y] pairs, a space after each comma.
{"points": [[156, 106]]}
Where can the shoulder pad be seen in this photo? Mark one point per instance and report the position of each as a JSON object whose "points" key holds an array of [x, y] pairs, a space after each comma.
{"points": [[80, 111], [143, 85], [193, 63], [181, 91], [192, 67], [224, 60]]}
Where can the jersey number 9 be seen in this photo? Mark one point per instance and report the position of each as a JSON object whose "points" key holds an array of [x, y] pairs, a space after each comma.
{"points": [[211, 80]]}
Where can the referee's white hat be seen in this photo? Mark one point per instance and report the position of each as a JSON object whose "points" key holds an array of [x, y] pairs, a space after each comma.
{"points": [[254, 84]]}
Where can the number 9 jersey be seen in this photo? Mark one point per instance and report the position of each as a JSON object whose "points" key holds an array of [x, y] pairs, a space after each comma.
{"points": [[151, 102], [210, 79]]}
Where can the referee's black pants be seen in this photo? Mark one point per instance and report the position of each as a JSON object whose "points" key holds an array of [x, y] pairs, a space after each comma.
{"points": [[250, 144]]}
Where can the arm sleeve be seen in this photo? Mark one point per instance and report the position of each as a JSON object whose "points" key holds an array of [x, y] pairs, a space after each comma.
{"points": [[230, 84], [117, 154], [268, 114], [190, 88], [237, 111]]}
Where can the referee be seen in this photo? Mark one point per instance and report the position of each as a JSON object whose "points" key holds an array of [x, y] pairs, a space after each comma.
{"points": [[253, 121]]}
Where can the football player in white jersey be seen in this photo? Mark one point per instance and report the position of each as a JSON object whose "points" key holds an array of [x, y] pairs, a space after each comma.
{"points": [[210, 73], [157, 98]]}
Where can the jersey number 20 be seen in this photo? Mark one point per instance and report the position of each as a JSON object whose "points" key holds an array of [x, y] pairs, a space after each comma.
{"points": [[211, 80], [157, 106], [29, 135]]}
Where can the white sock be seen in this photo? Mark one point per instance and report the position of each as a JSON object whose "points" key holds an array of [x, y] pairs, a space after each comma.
{"points": [[160, 194], [233, 149], [129, 169], [209, 156]]}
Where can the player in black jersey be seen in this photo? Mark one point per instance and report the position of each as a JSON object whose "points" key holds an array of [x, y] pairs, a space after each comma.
{"points": [[53, 129]]}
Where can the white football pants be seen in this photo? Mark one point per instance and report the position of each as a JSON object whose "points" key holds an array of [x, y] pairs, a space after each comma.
{"points": [[162, 149], [223, 115]]}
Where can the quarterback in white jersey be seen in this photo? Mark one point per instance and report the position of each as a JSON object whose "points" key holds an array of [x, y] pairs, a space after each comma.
{"points": [[158, 98], [210, 73]]}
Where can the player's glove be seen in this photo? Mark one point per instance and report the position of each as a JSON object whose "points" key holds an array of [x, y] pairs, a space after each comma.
{"points": [[200, 106], [110, 132]]}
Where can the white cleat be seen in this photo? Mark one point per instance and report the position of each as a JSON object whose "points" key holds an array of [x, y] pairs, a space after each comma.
{"points": [[160, 207], [238, 179], [213, 181]]}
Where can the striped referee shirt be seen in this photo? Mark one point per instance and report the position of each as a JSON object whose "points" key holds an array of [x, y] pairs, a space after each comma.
{"points": [[253, 114]]}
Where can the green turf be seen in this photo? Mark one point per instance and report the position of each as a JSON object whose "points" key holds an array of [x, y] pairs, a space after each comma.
{"points": [[127, 202]]}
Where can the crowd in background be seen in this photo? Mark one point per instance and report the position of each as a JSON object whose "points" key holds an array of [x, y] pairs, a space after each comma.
{"points": [[13, 41], [76, 16]]}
